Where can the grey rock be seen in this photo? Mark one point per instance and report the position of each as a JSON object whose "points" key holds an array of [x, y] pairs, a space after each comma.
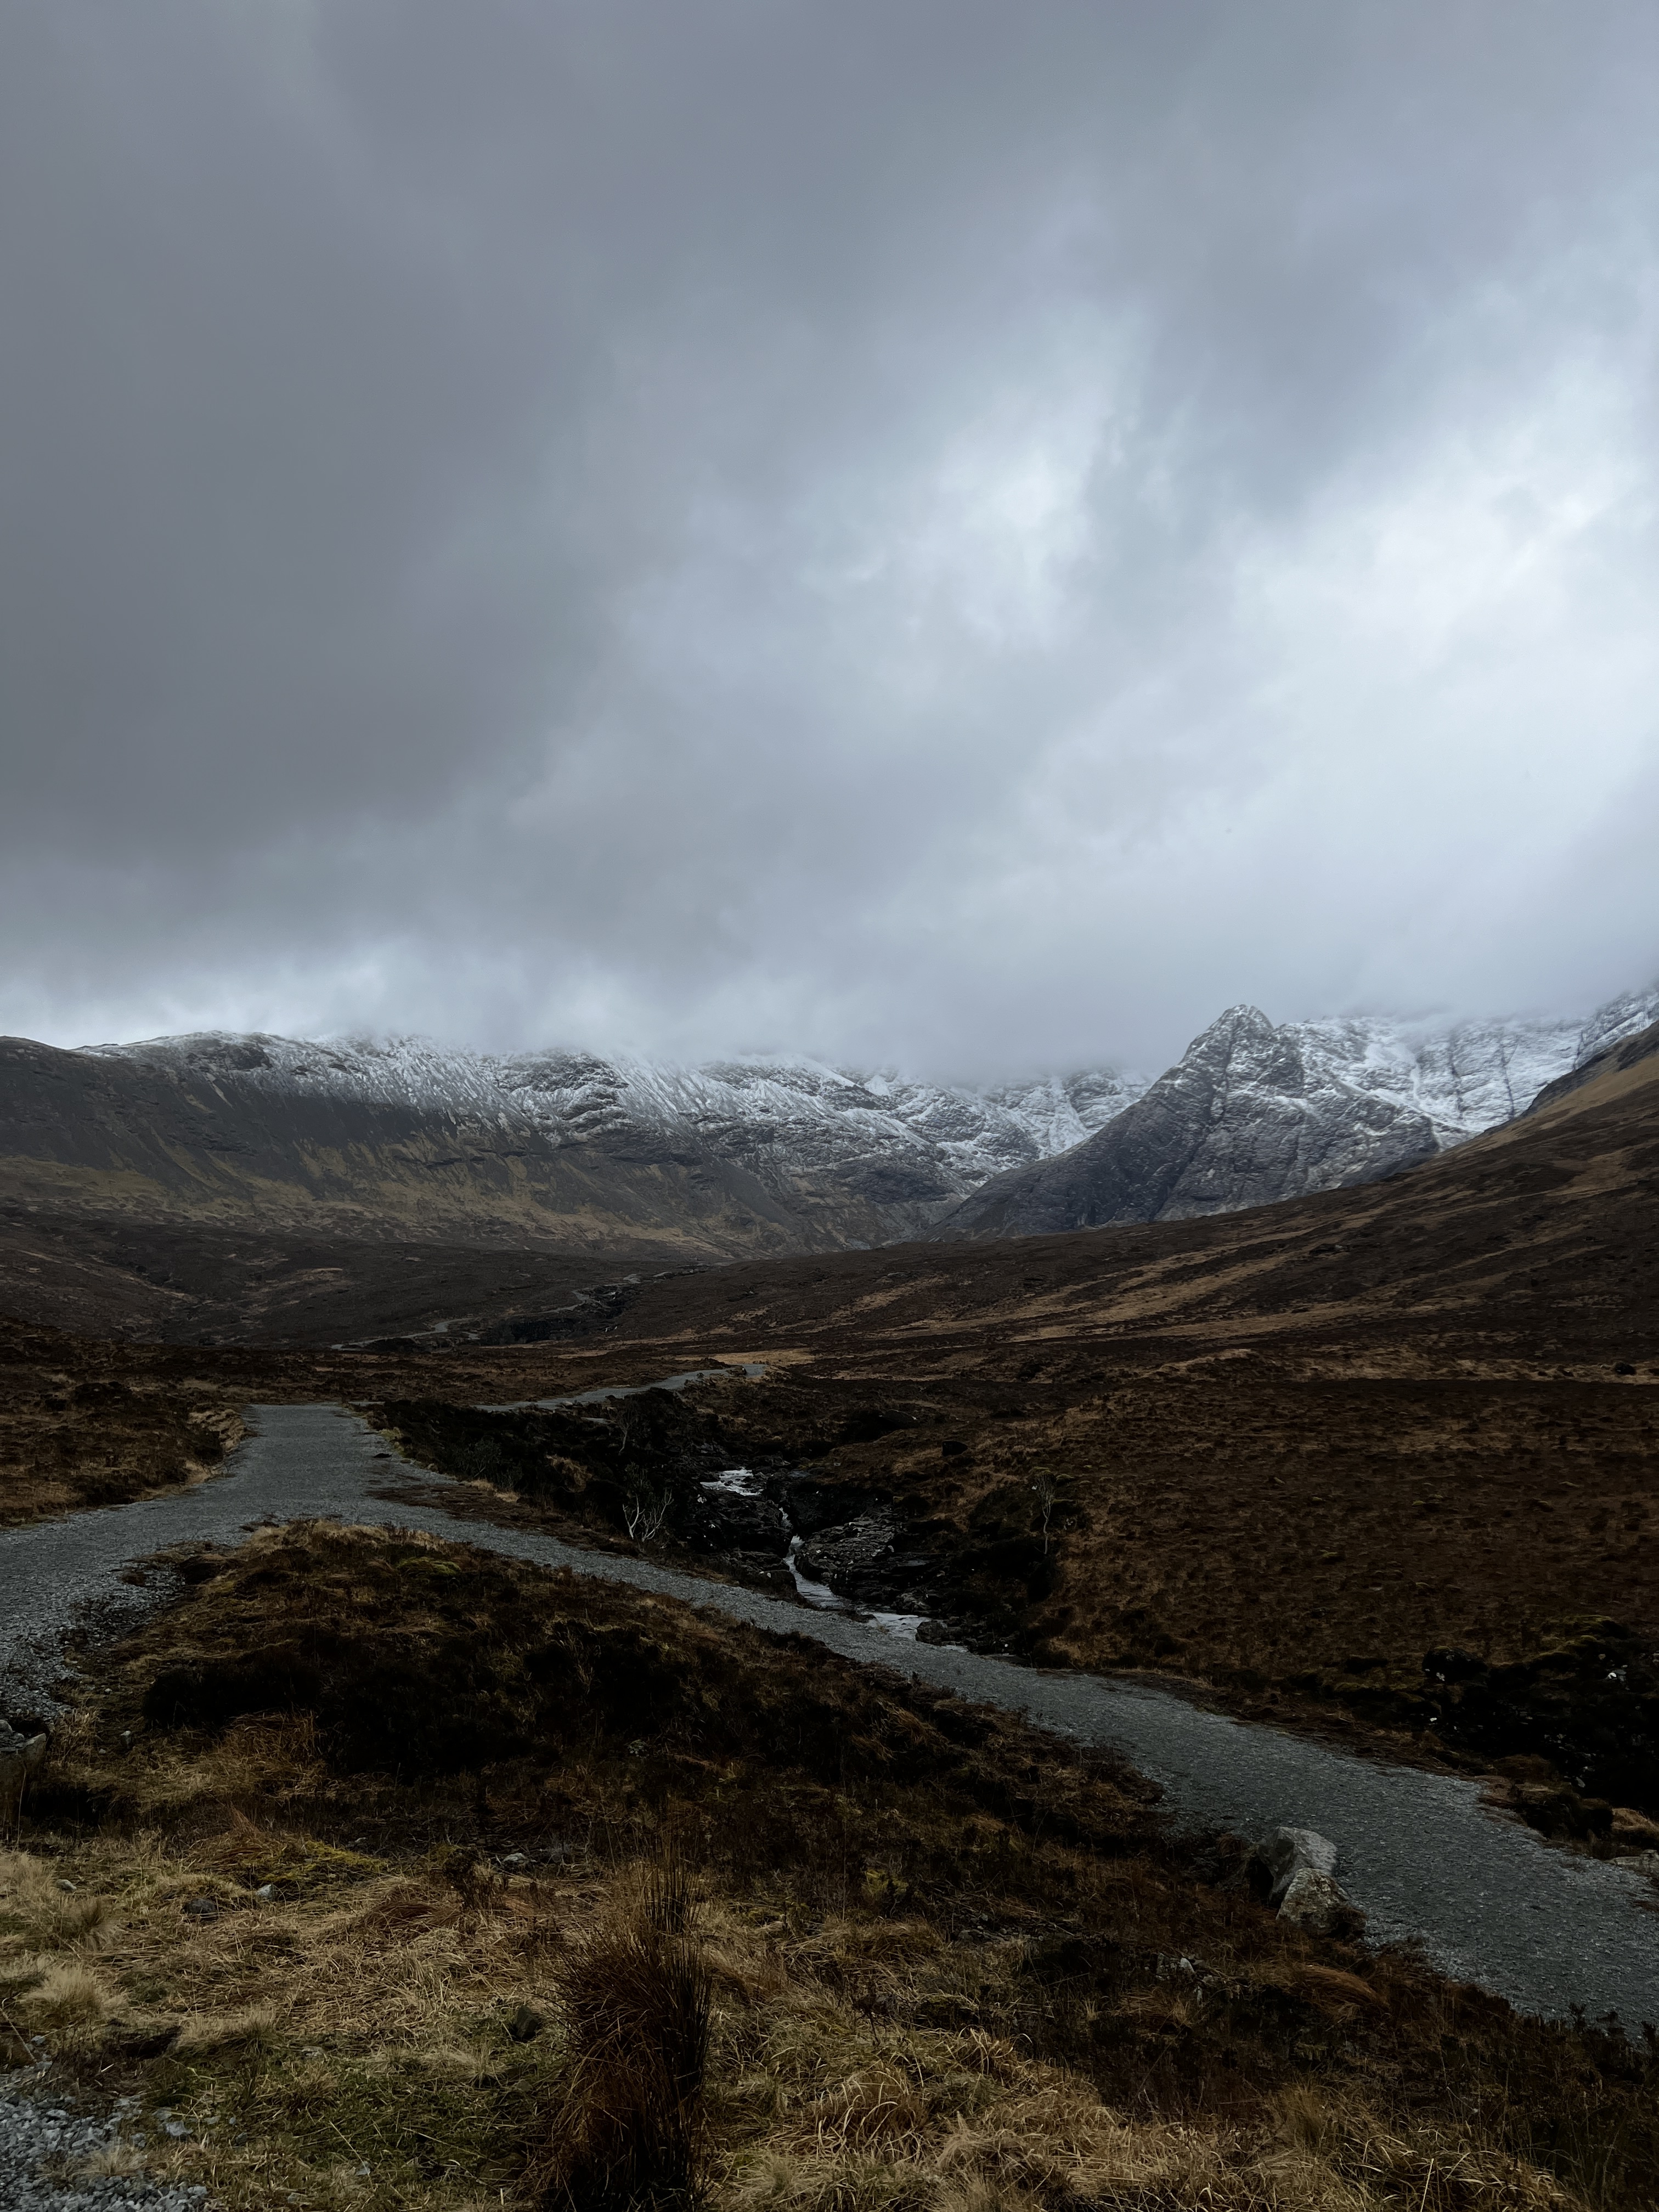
{"points": [[1253, 1113], [1301, 1866], [1291, 1851], [1313, 1902]]}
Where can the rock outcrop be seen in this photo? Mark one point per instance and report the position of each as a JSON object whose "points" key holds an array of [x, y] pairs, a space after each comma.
{"points": [[1253, 1113]]}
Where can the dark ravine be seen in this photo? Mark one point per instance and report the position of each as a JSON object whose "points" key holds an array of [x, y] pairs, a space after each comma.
{"points": [[1420, 1854], [770, 1509]]}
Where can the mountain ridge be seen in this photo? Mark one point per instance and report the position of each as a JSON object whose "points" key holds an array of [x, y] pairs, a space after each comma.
{"points": [[1254, 1113], [402, 1139]]}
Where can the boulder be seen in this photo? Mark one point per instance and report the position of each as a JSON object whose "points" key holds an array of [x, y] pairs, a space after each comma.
{"points": [[1291, 1851], [1313, 1902], [1301, 1867]]}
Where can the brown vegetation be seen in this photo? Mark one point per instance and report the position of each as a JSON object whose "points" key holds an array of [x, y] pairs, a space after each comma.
{"points": [[628, 2122], [81, 1426], [425, 1964]]}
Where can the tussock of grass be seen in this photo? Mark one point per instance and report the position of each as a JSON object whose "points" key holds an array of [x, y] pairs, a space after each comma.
{"points": [[912, 1957], [67, 1997], [628, 2124]]}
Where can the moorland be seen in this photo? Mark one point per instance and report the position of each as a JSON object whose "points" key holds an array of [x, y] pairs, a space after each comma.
{"points": [[1381, 1464]]}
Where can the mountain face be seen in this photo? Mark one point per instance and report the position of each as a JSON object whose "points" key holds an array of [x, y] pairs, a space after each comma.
{"points": [[400, 1138], [1253, 1113]]}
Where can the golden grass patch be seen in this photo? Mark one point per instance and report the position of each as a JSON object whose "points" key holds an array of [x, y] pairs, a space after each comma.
{"points": [[429, 1984]]}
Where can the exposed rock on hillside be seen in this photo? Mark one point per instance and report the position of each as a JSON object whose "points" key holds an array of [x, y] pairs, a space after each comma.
{"points": [[1253, 1113], [359, 1141]]}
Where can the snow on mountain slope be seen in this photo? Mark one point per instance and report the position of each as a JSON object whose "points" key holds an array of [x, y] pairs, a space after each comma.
{"points": [[777, 1118], [1470, 1078], [1251, 1112]]}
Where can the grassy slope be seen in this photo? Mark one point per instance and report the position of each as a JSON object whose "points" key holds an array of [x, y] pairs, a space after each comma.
{"points": [[948, 1969]]}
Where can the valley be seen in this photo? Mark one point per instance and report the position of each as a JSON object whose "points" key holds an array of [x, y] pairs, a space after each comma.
{"points": [[212, 1187], [1285, 1454], [1336, 1512]]}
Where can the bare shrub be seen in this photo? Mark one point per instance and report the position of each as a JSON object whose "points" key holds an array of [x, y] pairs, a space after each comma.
{"points": [[628, 2128]]}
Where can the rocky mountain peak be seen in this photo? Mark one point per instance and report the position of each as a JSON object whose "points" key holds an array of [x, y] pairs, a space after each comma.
{"points": [[1255, 1111], [774, 1153]]}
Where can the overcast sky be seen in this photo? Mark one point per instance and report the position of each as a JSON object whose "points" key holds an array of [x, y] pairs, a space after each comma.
{"points": [[923, 531]]}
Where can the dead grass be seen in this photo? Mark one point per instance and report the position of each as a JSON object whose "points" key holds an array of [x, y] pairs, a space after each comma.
{"points": [[84, 1423], [628, 2124], [935, 1968]]}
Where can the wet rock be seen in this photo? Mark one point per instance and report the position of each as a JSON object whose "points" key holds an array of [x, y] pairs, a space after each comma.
{"points": [[725, 1519], [841, 1552]]}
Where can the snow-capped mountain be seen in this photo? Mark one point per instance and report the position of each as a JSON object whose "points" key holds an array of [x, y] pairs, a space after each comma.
{"points": [[1253, 1113], [401, 1138], [917, 1143]]}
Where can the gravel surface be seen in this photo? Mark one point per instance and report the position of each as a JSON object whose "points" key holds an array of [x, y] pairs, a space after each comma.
{"points": [[1420, 1854], [36, 2135]]}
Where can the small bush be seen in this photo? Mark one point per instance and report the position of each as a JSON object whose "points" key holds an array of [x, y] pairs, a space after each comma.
{"points": [[628, 2128]]}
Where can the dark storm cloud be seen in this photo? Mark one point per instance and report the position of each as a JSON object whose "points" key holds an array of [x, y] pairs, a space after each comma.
{"points": [[935, 532]]}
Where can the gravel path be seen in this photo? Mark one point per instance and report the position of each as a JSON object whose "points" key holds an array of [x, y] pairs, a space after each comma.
{"points": [[1420, 1854], [36, 2134]]}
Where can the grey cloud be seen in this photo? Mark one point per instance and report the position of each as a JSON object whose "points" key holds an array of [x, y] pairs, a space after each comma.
{"points": [[953, 535]]}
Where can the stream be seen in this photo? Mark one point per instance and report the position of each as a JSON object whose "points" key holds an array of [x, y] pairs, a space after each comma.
{"points": [[1420, 1854]]}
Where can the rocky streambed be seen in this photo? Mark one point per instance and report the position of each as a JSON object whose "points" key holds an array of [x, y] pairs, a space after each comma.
{"points": [[789, 1525], [665, 1468]]}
